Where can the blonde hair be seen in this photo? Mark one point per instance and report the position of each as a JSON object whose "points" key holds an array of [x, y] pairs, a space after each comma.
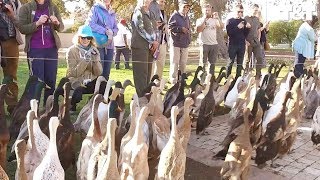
{"points": [[76, 40]]}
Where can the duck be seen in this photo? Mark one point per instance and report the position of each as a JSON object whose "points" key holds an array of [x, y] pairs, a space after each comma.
{"points": [[233, 91], [184, 124], [312, 101], [86, 110], [65, 133], [198, 98], [20, 149], [276, 73], [196, 79], [206, 108], [274, 126], [83, 121], [285, 85], [4, 132], [237, 161], [315, 126], [134, 162], [220, 93], [109, 169], [3, 174], [172, 162], [19, 113], [50, 167], [94, 136], [293, 119], [32, 156], [174, 95]]}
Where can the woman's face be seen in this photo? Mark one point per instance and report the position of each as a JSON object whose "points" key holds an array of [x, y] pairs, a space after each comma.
{"points": [[85, 41]]}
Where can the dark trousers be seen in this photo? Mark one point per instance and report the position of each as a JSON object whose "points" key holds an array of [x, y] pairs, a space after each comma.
{"points": [[43, 63], [298, 64], [142, 68], [235, 50], [79, 91], [10, 51], [126, 53], [106, 57], [210, 53], [256, 50]]}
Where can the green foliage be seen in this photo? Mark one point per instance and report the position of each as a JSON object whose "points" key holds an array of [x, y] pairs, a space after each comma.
{"points": [[60, 4], [283, 31]]}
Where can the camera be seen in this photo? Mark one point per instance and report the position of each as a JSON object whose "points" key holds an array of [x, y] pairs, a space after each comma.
{"points": [[2, 5]]}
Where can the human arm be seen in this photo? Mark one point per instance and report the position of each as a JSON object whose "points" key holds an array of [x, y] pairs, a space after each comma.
{"points": [[96, 66], [24, 24], [201, 24], [56, 19]]}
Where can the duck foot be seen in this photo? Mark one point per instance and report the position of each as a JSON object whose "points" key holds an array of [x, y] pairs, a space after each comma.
{"points": [[260, 166], [205, 133]]}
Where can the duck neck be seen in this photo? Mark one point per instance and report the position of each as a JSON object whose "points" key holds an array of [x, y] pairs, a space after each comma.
{"points": [[173, 126], [111, 139], [138, 134], [3, 121], [31, 141], [95, 126], [20, 162], [55, 105], [133, 122], [107, 90], [53, 139], [186, 110], [66, 113]]}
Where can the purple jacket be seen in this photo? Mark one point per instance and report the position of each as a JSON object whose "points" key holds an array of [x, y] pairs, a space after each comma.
{"points": [[176, 22], [100, 19]]}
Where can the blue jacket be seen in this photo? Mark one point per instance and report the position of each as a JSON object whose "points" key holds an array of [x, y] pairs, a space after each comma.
{"points": [[304, 41], [100, 19], [176, 22]]}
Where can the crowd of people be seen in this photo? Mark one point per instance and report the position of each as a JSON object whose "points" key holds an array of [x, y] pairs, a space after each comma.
{"points": [[153, 33]]}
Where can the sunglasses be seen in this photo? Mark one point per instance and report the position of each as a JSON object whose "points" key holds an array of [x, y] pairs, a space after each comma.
{"points": [[240, 11], [89, 38]]}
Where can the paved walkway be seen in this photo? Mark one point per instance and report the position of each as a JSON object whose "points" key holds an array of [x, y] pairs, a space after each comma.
{"points": [[302, 164]]}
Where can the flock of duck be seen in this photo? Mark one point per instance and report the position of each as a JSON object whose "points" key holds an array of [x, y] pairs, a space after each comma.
{"points": [[264, 117]]}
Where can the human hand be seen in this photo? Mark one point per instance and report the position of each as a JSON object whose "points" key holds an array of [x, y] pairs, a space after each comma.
{"points": [[241, 25], [248, 25], [215, 15], [54, 20], [43, 19], [185, 30], [10, 11], [109, 33], [247, 43], [154, 46]]}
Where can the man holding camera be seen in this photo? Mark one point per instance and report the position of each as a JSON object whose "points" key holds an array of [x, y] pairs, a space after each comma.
{"points": [[10, 39], [207, 29], [237, 30]]}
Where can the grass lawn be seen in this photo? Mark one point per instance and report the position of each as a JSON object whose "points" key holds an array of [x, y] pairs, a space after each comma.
{"points": [[117, 75]]}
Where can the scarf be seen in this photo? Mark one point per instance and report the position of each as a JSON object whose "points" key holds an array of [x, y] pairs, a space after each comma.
{"points": [[86, 52]]}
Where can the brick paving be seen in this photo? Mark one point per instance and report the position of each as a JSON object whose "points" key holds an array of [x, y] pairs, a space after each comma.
{"points": [[302, 163]]}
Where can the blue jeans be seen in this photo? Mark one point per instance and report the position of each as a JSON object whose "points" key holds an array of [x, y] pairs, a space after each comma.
{"points": [[44, 64], [298, 64], [235, 50], [106, 61]]}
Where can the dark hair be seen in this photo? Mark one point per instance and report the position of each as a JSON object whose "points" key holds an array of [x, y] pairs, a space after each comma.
{"points": [[255, 5], [239, 6], [314, 20]]}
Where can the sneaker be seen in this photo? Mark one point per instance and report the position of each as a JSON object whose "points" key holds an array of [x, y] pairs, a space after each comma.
{"points": [[117, 66], [127, 67]]}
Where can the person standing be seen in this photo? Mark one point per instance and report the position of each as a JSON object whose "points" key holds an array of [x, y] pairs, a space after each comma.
{"points": [[253, 40], [303, 44], [264, 29], [40, 20], [122, 42], [144, 36], [207, 29], [83, 64], [237, 30], [158, 9], [102, 20], [10, 39], [179, 26]]}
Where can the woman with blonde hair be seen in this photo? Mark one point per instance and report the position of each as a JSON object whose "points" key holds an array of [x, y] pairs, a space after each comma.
{"points": [[83, 63]]}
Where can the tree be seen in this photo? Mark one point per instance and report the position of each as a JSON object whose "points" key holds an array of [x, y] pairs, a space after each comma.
{"points": [[283, 32]]}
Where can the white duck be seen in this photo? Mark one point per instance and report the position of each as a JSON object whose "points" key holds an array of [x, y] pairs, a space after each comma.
{"points": [[134, 162], [90, 142], [220, 93], [20, 150], [173, 157], [233, 94], [32, 156], [109, 169], [50, 167]]}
